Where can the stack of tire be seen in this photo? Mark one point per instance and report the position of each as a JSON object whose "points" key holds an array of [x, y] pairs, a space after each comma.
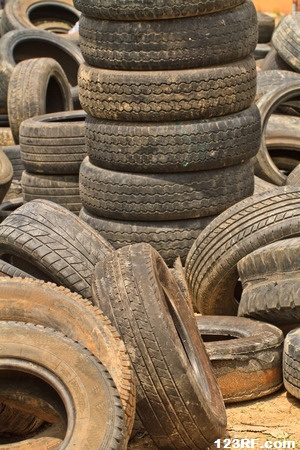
{"points": [[171, 127]]}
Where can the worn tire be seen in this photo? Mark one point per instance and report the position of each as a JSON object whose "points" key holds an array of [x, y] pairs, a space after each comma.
{"points": [[60, 189], [172, 397], [211, 265], [54, 143], [155, 197], [19, 45], [291, 363], [268, 80], [76, 318], [271, 283], [246, 356], [155, 96], [47, 241], [283, 133], [14, 155], [6, 208], [36, 86], [286, 40], [185, 43], [14, 422], [274, 62], [6, 137], [48, 354], [7, 269], [261, 186], [173, 147], [266, 25], [293, 178], [170, 238], [6, 175]]}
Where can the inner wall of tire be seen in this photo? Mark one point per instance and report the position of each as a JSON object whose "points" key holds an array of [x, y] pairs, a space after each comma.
{"points": [[54, 96], [52, 13]]}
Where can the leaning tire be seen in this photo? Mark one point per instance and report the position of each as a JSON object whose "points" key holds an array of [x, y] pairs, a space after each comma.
{"points": [[291, 363], [286, 39]]}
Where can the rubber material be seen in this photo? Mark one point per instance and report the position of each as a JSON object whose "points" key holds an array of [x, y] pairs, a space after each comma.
{"points": [[286, 40], [266, 25], [291, 363], [14, 155], [274, 62], [6, 175], [294, 177]]}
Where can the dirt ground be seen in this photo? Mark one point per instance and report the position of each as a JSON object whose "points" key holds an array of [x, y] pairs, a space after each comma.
{"points": [[275, 418]]}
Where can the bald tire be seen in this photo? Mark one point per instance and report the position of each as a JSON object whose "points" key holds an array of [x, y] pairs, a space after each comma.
{"points": [[291, 363]]}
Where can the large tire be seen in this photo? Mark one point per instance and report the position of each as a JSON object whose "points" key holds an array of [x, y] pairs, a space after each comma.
{"points": [[246, 356], [37, 86], [48, 354], [294, 177], [19, 45], [186, 43], [264, 167], [170, 238], [14, 155], [151, 9], [274, 62], [49, 242], [171, 196], [211, 265], [26, 300], [291, 363], [60, 189], [54, 143], [6, 175], [178, 401], [174, 147], [154, 96], [266, 25], [286, 40], [271, 283]]}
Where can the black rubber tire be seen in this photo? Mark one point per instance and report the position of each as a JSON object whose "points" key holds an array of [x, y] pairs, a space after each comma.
{"points": [[6, 175], [14, 155], [261, 51], [6, 137], [211, 265], [274, 62], [54, 143], [291, 363], [160, 333], [268, 80], [271, 284], [26, 301], [171, 196], [60, 189], [294, 177], [6, 208], [266, 25], [170, 238], [36, 86], [7, 269], [173, 147], [186, 43], [169, 95], [48, 354], [47, 241], [286, 40], [264, 167], [19, 45], [151, 9], [246, 356]]}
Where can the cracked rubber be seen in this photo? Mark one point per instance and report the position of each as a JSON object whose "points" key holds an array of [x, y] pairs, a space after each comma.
{"points": [[291, 363]]}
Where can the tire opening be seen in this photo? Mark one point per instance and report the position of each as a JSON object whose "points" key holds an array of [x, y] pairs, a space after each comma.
{"points": [[54, 96], [62, 15]]}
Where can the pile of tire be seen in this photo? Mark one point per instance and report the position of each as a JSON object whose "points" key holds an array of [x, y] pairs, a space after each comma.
{"points": [[170, 128]]}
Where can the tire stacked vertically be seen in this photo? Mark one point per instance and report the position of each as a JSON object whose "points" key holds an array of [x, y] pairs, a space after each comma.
{"points": [[171, 128]]}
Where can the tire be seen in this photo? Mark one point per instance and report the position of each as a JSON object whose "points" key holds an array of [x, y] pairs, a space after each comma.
{"points": [[13, 154], [151, 9], [261, 51], [56, 16], [270, 279], [285, 160], [274, 62], [48, 242], [6, 208], [266, 25], [19, 45], [17, 423], [11, 271], [294, 177], [76, 318], [4, 122], [211, 265], [246, 356], [291, 363], [60, 189], [49, 355], [6, 137], [54, 143], [170, 238], [283, 133], [167, 96], [263, 164], [172, 196], [261, 186], [173, 147], [37, 86], [6, 175], [173, 408], [185, 43], [286, 39]]}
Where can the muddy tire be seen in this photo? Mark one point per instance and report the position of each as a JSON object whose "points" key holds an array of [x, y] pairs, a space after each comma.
{"points": [[291, 363], [6, 175], [48, 242], [155, 96], [286, 39], [211, 265], [54, 143], [14, 422], [246, 356], [150, 322], [36, 86]]}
